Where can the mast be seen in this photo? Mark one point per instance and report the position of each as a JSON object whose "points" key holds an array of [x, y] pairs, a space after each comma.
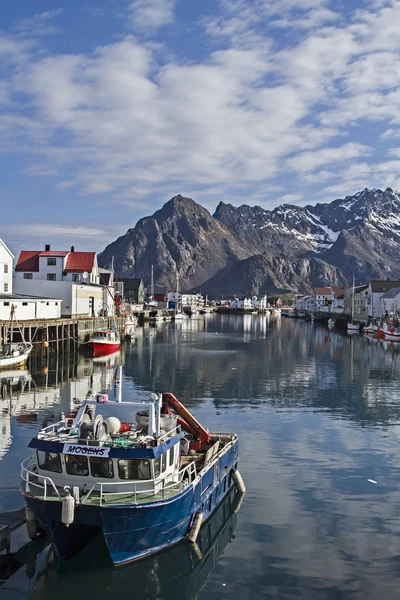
{"points": [[352, 303], [177, 292], [152, 282]]}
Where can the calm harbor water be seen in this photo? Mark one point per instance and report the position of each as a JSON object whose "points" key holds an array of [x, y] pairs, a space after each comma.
{"points": [[318, 414]]}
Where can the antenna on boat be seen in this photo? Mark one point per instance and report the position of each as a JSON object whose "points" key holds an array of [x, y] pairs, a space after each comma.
{"points": [[119, 398]]}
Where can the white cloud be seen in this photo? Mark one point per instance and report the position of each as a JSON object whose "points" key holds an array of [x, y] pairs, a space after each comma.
{"points": [[123, 122], [39, 24], [309, 161], [149, 15]]}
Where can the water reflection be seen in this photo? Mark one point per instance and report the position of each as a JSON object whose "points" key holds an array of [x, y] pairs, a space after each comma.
{"points": [[318, 416], [180, 572]]}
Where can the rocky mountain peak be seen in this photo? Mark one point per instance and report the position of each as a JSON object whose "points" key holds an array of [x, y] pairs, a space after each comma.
{"points": [[287, 247]]}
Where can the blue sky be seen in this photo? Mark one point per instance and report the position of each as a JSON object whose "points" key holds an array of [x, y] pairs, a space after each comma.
{"points": [[108, 108]]}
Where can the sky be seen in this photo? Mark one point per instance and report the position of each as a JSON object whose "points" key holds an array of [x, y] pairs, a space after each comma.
{"points": [[109, 108]]}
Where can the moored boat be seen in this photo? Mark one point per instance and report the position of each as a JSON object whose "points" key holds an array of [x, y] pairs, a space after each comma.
{"points": [[144, 485], [331, 323], [391, 331], [13, 354], [105, 342]]}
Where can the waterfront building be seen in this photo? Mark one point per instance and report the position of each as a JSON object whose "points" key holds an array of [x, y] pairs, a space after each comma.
{"points": [[376, 289], [337, 295], [133, 290], [26, 307], [6, 264], [73, 277], [323, 299], [390, 302]]}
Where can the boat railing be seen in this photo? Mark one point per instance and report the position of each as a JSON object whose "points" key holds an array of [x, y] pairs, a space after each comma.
{"points": [[99, 489], [30, 477], [53, 428], [168, 434]]}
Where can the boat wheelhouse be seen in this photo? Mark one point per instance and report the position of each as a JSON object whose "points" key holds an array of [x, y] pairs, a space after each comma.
{"points": [[105, 341], [144, 485]]}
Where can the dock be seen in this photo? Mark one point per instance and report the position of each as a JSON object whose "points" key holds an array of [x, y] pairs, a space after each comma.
{"points": [[9, 522], [55, 331]]}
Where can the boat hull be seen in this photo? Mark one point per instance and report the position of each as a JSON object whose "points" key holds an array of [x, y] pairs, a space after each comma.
{"points": [[132, 532], [100, 349], [14, 361]]}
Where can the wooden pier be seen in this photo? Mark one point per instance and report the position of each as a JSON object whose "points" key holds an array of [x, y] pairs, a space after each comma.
{"points": [[55, 331]]}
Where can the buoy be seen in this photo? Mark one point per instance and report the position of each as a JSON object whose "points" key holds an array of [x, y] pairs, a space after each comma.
{"points": [[238, 481], [31, 523], [113, 424], [45, 344], [67, 510], [195, 528]]}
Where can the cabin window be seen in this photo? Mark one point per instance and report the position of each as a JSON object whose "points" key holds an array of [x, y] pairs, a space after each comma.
{"points": [[134, 468], [164, 461], [101, 467], [171, 456], [49, 461], [157, 467], [76, 465]]}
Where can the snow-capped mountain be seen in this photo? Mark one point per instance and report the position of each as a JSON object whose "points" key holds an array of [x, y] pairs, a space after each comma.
{"points": [[290, 248]]}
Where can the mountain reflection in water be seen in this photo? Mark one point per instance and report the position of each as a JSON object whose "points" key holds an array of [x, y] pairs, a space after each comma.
{"points": [[318, 418]]}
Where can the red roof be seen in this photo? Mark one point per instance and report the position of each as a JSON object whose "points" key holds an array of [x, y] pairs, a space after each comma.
{"points": [[55, 253], [322, 291], [79, 262], [28, 260]]}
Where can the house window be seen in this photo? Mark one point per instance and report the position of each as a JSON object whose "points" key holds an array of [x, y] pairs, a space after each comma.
{"points": [[6, 287], [55, 303], [76, 277], [28, 275], [51, 277], [5, 268], [51, 262]]}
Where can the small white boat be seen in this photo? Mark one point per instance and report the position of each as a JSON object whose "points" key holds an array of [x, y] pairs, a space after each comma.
{"points": [[13, 354], [180, 316], [331, 323], [353, 327], [391, 331]]}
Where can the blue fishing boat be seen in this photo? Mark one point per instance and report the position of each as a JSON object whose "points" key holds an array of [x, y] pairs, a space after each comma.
{"points": [[144, 474]]}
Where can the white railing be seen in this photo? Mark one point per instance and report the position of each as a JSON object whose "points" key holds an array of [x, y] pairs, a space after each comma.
{"points": [[160, 486], [169, 434], [33, 478]]}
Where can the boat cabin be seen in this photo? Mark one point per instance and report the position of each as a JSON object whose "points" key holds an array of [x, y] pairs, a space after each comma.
{"points": [[106, 336], [143, 454]]}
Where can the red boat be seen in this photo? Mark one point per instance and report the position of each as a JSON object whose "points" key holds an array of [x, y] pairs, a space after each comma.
{"points": [[105, 342]]}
